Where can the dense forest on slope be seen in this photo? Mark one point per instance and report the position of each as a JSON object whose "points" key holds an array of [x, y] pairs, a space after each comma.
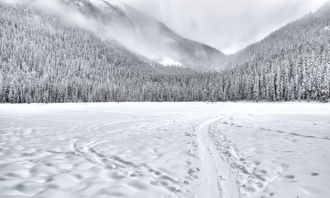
{"points": [[294, 59], [43, 59]]}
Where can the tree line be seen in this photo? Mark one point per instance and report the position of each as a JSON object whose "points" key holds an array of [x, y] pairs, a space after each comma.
{"points": [[43, 60]]}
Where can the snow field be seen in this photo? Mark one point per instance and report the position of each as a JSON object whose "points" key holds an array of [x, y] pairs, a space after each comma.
{"points": [[165, 150]]}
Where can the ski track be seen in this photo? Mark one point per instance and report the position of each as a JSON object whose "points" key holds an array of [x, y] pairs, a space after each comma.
{"points": [[171, 150], [243, 174], [217, 179]]}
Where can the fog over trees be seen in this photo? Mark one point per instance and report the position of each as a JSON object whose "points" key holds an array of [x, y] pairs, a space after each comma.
{"points": [[45, 60]]}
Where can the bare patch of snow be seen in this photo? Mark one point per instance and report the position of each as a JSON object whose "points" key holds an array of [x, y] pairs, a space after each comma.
{"points": [[169, 62]]}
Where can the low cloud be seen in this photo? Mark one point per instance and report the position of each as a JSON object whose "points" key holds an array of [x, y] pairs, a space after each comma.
{"points": [[128, 36], [226, 25]]}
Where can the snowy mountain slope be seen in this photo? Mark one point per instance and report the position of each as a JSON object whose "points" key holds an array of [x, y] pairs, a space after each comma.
{"points": [[147, 36], [324, 10], [292, 62], [54, 53], [299, 39]]}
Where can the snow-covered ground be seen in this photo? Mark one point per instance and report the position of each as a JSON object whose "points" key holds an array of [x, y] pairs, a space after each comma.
{"points": [[200, 150]]}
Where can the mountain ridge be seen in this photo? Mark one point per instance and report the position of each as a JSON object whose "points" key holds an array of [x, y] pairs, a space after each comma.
{"points": [[284, 35], [159, 41]]}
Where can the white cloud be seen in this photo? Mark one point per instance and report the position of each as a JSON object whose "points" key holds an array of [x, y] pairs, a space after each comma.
{"points": [[228, 25]]}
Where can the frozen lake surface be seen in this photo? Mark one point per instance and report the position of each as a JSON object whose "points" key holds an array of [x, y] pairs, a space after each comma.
{"points": [[142, 150]]}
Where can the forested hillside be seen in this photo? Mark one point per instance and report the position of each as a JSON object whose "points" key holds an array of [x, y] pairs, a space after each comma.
{"points": [[292, 63], [43, 59]]}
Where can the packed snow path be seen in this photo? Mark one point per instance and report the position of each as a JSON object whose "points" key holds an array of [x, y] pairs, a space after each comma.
{"points": [[216, 176], [200, 150]]}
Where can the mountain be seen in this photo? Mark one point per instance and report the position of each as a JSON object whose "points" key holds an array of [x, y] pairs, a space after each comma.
{"points": [[324, 10], [292, 62], [302, 33], [146, 36], [77, 52], [45, 58]]}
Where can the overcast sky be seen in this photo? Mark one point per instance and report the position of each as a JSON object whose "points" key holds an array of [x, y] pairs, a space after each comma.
{"points": [[228, 25]]}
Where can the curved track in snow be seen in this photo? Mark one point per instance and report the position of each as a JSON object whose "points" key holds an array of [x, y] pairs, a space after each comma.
{"points": [[217, 179]]}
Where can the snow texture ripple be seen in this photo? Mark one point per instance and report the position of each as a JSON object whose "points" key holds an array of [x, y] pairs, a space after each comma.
{"points": [[228, 150]]}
